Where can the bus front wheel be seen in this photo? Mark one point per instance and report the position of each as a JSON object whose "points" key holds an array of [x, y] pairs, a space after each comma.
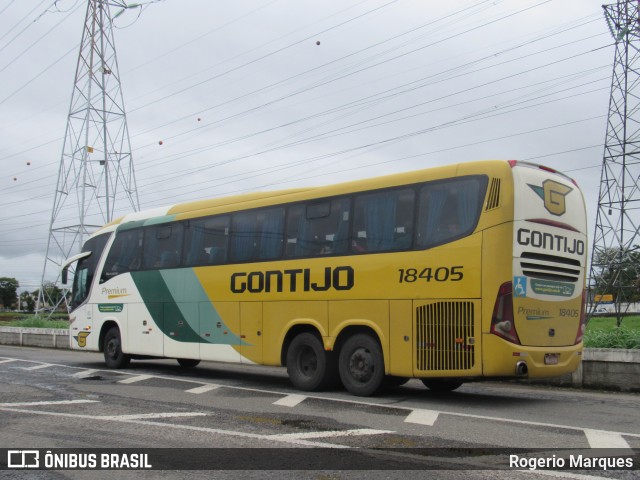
{"points": [[361, 365], [113, 355], [307, 362]]}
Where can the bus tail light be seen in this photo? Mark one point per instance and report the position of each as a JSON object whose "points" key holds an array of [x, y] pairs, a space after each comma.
{"points": [[502, 323], [583, 318]]}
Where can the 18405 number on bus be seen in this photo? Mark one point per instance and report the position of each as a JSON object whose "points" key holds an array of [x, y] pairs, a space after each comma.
{"points": [[429, 274]]}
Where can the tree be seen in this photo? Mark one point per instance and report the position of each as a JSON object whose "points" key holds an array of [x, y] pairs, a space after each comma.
{"points": [[52, 294], [619, 276], [619, 270], [8, 291], [27, 302]]}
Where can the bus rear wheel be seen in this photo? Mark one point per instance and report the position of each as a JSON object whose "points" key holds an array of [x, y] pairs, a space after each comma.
{"points": [[113, 355], [188, 362], [441, 384], [308, 365], [361, 365]]}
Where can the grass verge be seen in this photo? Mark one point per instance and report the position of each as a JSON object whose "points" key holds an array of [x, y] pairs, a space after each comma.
{"points": [[602, 332]]}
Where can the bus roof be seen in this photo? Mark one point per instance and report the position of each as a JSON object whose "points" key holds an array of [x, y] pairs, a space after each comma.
{"points": [[256, 199]]}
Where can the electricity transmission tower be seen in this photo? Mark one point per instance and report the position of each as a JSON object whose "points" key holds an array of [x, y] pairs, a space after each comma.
{"points": [[615, 272], [96, 172]]}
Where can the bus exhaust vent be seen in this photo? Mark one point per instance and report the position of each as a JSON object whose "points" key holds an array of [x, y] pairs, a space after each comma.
{"points": [[445, 336], [493, 198], [550, 267]]}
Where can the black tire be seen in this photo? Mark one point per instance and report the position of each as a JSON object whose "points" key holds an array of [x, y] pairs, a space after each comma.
{"points": [[308, 365], [441, 384], [113, 355], [392, 381], [361, 365], [188, 362]]}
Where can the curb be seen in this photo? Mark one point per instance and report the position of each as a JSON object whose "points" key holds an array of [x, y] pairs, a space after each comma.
{"points": [[601, 368]]}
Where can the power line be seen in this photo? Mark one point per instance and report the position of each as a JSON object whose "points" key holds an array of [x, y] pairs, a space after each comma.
{"points": [[38, 40]]}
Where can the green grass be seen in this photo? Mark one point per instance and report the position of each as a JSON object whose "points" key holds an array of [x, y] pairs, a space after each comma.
{"points": [[34, 322], [609, 323], [602, 332]]}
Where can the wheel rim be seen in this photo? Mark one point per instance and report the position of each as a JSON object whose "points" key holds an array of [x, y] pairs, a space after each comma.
{"points": [[361, 365], [308, 362]]}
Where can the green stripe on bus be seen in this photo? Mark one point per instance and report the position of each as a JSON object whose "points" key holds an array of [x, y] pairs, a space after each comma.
{"points": [[180, 307]]}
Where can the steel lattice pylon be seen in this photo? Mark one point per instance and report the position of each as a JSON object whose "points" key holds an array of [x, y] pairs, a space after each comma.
{"points": [[96, 174], [616, 242]]}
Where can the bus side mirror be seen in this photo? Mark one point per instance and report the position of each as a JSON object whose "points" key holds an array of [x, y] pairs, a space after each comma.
{"points": [[65, 275]]}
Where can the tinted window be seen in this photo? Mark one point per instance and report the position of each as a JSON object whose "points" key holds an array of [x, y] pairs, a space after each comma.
{"points": [[206, 241], [318, 228], [449, 210], [162, 246], [257, 235], [383, 221], [125, 254], [86, 269]]}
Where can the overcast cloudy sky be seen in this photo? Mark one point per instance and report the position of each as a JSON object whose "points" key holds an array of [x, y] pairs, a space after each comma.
{"points": [[243, 97]]}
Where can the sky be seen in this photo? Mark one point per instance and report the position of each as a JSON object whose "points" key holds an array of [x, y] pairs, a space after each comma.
{"points": [[229, 97]]}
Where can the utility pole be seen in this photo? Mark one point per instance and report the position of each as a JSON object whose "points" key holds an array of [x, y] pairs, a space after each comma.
{"points": [[615, 273], [96, 177]]}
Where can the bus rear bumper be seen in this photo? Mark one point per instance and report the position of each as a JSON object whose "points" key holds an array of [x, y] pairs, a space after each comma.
{"points": [[504, 359]]}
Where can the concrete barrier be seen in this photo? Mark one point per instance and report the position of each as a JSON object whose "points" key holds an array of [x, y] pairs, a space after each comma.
{"points": [[35, 337], [601, 368], [611, 369]]}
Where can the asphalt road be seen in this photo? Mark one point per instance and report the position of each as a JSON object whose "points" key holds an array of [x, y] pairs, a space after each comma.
{"points": [[230, 418]]}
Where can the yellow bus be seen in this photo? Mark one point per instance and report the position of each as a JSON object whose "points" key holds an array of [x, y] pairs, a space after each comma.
{"points": [[451, 274]]}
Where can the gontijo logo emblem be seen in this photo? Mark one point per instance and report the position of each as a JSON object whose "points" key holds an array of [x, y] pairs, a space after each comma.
{"points": [[553, 194], [81, 338]]}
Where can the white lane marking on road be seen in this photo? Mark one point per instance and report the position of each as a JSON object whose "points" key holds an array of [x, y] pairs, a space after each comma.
{"points": [[85, 373], [329, 434], [290, 400], [53, 402], [137, 378], [204, 388], [142, 416], [600, 439], [527, 422], [374, 404], [422, 417], [8, 360], [38, 367], [164, 426]]}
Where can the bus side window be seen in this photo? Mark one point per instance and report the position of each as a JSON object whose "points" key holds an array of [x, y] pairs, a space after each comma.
{"points": [[382, 221], [163, 246], [125, 254], [257, 235], [449, 210], [318, 228], [207, 241], [271, 233]]}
